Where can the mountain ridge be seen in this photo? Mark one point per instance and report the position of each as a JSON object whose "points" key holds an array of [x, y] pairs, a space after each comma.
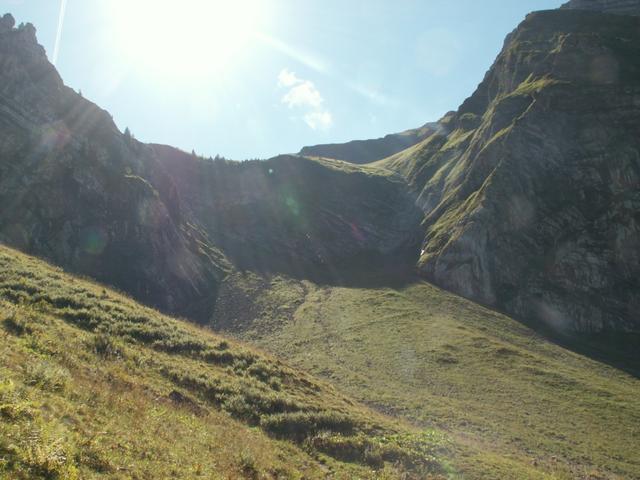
{"points": [[620, 7], [367, 151]]}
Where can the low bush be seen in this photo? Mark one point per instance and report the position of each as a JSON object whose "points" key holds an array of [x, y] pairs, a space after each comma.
{"points": [[415, 452], [357, 449], [183, 346], [47, 376], [238, 406], [16, 324], [248, 466], [105, 346], [12, 403], [301, 425], [47, 455], [216, 357]]}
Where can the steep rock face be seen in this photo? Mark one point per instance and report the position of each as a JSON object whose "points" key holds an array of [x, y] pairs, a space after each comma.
{"points": [[533, 198], [620, 7], [77, 191], [366, 151]]}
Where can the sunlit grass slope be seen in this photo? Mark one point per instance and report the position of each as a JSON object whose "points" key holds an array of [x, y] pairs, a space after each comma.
{"points": [[94, 385], [516, 405]]}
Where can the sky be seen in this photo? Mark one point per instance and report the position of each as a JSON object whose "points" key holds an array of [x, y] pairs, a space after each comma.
{"points": [[256, 78]]}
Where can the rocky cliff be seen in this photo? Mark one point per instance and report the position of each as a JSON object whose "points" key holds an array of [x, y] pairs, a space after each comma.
{"points": [[533, 198], [620, 7]]}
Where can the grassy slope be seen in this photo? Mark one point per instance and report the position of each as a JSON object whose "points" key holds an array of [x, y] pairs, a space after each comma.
{"points": [[516, 405], [94, 385]]}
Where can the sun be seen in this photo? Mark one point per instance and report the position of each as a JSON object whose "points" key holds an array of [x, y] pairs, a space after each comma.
{"points": [[184, 38]]}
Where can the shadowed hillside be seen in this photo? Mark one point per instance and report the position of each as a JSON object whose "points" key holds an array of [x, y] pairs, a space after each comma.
{"points": [[311, 218]]}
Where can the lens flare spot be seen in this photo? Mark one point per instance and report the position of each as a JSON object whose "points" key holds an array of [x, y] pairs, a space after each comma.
{"points": [[93, 240], [54, 138], [293, 205], [357, 234]]}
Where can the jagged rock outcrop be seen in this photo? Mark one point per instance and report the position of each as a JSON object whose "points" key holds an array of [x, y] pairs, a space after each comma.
{"points": [[75, 190], [367, 151], [620, 7], [533, 198]]}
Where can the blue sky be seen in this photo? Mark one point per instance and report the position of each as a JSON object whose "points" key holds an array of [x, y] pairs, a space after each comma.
{"points": [[254, 78]]}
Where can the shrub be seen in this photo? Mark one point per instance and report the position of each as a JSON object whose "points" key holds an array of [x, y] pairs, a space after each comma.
{"points": [[47, 376], [275, 384], [267, 402], [12, 405], [145, 333], [16, 324], [248, 465], [299, 425], [416, 452], [218, 358], [89, 456], [349, 449], [47, 456], [238, 406], [178, 345], [82, 318], [261, 371], [105, 346]]}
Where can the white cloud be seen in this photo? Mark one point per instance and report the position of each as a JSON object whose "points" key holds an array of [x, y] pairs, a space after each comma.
{"points": [[304, 96], [287, 78], [320, 120]]}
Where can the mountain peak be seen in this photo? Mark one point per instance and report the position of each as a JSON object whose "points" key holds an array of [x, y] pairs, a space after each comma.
{"points": [[7, 22], [620, 7], [23, 35]]}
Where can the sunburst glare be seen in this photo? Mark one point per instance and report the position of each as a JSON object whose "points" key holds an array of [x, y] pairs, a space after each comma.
{"points": [[194, 37]]}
